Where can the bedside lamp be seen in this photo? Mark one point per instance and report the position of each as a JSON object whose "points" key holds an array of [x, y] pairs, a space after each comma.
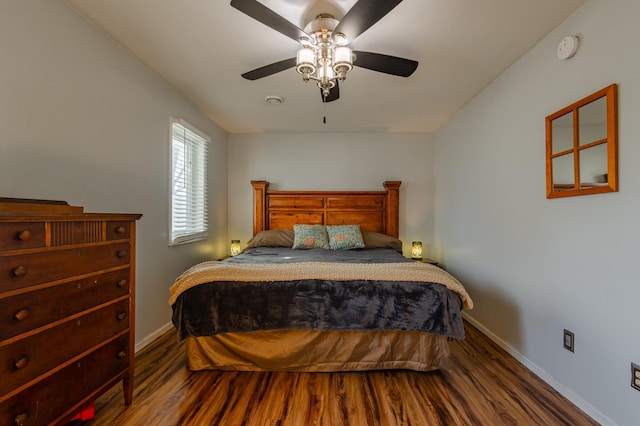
{"points": [[416, 250], [235, 247]]}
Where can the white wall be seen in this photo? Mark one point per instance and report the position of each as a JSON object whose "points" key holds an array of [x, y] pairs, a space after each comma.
{"points": [[536, 266], [82, 121], [335, 161]]}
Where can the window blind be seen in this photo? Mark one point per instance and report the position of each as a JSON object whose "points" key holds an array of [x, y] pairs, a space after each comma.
{"points": [[188, 183]]}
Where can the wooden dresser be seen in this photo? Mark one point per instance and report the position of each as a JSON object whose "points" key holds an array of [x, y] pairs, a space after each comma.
{"points": [[66, 309]]}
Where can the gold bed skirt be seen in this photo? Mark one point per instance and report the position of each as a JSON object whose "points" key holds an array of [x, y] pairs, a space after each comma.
{"points": [[318, 351]]}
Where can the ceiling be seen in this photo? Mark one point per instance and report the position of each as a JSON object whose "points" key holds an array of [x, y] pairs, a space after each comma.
{"points": [[201, 47]]}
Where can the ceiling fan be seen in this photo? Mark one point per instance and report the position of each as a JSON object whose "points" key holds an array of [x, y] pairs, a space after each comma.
{"points": [[324, 55]]}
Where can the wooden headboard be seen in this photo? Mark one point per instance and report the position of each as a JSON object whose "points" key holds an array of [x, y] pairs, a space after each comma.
{"points": [[375, 211]]}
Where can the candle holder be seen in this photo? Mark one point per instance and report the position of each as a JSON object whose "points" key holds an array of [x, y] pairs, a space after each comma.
{"points": [[235, 247], [416, 250]]}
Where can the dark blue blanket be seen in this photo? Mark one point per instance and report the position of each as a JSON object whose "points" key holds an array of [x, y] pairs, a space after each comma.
{"points": [[221, 307]]}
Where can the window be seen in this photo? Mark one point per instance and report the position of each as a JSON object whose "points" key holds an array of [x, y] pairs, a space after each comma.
{"points": [[188, 183]]}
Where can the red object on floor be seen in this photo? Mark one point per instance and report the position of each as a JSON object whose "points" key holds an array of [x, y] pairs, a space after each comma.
{"points": [[87, 413]]}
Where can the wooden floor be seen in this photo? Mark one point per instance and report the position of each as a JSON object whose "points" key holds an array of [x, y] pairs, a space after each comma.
{"points": [[486, 387]]}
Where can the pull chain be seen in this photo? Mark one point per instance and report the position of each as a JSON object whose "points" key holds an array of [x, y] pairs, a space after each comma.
{"points": [[324, 109]]}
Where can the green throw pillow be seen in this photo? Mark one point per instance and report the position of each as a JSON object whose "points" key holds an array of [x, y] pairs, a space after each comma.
{"points": [[310, 236], [345, 237]]}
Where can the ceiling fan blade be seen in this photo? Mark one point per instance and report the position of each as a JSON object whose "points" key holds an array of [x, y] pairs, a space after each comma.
{"points": [[270, 69], [334, 94], [363, 15], [261, 13], [384, 63]]}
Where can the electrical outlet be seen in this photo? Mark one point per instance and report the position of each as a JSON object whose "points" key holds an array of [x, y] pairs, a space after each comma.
{"points": [[568, 340], [635, 376]]}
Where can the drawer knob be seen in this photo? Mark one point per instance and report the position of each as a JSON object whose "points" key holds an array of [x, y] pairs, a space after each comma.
{"points": [[121, 230], [21, 314], [24, 235], [21, 363], [121, 253], [20, 271], [122, 354], [21, 419], [121, 316], [122, 283]]}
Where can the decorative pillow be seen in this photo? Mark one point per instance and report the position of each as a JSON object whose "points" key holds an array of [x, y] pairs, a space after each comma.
{"points": [[310, 236], [378, 240], [345, 237], [272, 238]]}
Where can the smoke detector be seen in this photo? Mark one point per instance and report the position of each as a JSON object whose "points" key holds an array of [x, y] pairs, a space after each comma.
{"points": [[568, 47]]}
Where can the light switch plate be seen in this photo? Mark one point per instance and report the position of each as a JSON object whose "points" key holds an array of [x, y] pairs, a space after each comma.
{"points": [[569, 340]]}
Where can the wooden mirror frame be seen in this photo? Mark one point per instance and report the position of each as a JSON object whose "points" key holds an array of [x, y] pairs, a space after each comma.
{"points": [[610, 94]]}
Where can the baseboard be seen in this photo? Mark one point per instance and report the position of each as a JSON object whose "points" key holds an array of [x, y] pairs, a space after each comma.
{"points": [[153, 336], [542, 374]]}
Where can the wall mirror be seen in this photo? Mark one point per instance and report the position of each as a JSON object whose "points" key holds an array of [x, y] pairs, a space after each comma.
{"points": [[582, 146]]}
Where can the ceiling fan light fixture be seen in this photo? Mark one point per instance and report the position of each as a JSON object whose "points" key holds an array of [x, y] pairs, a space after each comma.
{"points": [[324, 55], [340, 39], [306, 62], [326, 73], [342, 61], [306, 41], [326, 77]]}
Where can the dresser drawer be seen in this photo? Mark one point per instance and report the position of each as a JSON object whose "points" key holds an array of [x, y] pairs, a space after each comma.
{"points": [[37, 268], [21, 235], [28, 358], [118, 230], [26, 311], [60, 393]]}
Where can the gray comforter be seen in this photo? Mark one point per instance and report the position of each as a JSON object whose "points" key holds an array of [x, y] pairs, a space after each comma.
{"points": [[226, 306]]}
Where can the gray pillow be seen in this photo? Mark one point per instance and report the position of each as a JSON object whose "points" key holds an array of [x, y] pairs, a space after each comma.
{"points": [[272, 238], [378, 240]]}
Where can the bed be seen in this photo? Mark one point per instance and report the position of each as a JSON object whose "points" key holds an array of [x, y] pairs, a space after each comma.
{"points": [[322, 286]]}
